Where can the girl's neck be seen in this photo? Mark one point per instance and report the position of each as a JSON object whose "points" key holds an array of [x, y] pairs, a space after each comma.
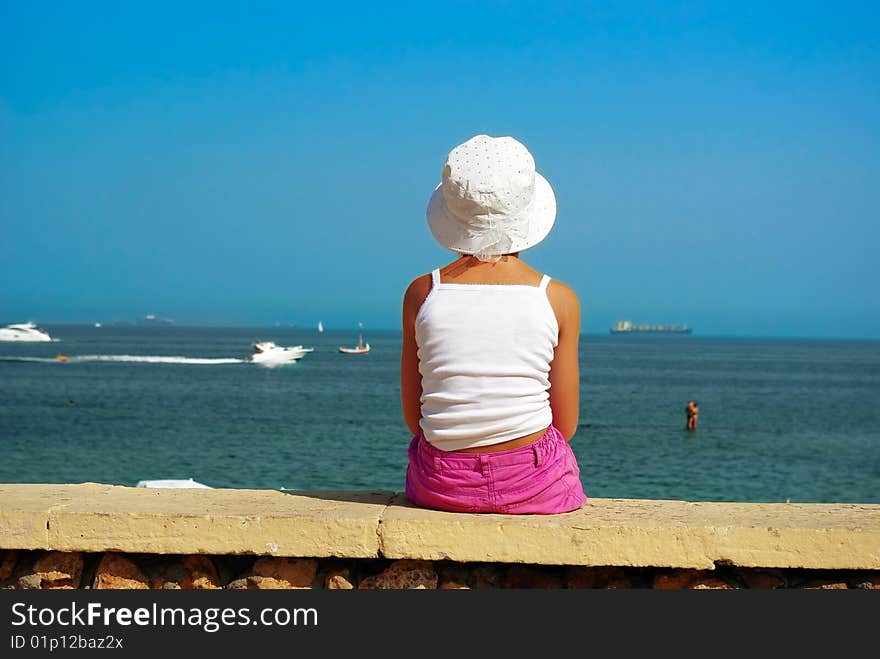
{"points": [[506, 270], [470, 261]]}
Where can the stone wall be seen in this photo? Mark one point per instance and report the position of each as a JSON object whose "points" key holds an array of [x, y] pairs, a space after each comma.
{"points": [[114, 570], [110, 537]]}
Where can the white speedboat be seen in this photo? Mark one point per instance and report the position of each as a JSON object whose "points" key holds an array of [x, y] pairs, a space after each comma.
{"points": [[23, 332], [268, 352]]}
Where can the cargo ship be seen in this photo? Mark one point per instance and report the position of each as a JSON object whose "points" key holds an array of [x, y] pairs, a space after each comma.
{"points": [[627, 327]]}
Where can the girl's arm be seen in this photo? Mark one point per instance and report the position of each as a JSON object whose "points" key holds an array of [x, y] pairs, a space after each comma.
{"points": [[410, 378], [564, 374]]}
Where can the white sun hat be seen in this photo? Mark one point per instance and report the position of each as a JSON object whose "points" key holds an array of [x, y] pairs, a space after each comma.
{"points": [[490, 200]]}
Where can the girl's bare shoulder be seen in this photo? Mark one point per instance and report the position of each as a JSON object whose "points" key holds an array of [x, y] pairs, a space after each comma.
{"points": [[562, 292], [563, 299], [417, 291]]}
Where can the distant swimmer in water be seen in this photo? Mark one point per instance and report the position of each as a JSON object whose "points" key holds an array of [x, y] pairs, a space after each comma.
{"points": [[71, 403], [693, 411]]}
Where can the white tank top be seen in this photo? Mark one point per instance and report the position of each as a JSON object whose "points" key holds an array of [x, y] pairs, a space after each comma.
{"points": [[484, 356]]}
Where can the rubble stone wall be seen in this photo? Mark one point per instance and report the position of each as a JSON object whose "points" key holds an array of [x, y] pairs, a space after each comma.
{"points": [[98, 536], [37, 569]]}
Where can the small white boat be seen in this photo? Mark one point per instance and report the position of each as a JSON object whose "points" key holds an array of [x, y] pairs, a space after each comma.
{"points": [[268, 352], [360, 349], [24, 332]]}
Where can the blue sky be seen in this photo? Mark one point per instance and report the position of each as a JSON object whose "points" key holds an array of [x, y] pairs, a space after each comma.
{"points": [[250, 163]]}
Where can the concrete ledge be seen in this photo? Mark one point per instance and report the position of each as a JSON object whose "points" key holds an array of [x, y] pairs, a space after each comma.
{"points": [[647, 533], [605, 532], [92, 518]]}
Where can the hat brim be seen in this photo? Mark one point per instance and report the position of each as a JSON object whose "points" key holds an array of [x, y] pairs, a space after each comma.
{"points": [[453, 235]]}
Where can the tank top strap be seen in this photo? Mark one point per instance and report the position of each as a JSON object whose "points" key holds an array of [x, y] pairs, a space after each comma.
{"points": [[435, 278], [545, 280]]}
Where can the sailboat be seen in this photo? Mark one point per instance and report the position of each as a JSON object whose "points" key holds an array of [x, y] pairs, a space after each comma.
{"points": [[320, 326], [360, 349]]}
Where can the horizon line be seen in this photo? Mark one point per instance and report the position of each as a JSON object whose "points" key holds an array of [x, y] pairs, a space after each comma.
{"points": [[331, 329]]}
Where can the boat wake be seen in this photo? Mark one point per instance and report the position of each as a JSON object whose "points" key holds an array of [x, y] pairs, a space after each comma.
{"points": [[146, 359]]}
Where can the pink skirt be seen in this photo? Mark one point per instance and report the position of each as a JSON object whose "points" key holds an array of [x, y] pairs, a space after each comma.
{"points": [[542, 478]]}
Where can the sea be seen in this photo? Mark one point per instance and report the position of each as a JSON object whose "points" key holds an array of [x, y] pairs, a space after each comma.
{"points": [[781, 420]]}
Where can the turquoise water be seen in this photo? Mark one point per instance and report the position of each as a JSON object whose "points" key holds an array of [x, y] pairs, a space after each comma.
{"points": [[779, 419]]}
